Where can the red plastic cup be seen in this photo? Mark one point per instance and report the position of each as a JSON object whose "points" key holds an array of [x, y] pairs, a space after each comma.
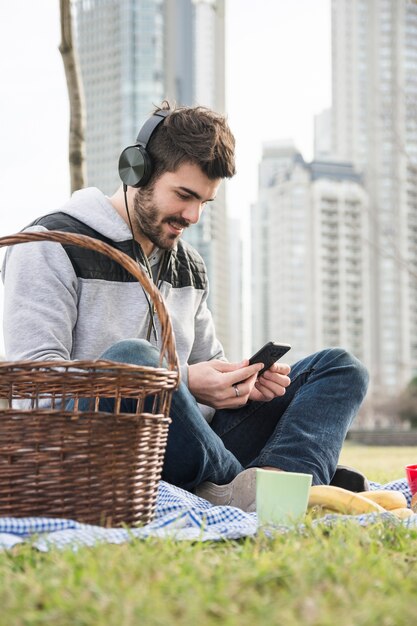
{"points": [[411, 473]]}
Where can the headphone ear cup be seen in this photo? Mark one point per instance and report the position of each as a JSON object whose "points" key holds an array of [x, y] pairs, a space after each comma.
{"points": [[135, 166]]}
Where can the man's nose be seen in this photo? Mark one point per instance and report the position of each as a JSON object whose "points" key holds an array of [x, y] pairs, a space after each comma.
{"points": [[193, 212]]}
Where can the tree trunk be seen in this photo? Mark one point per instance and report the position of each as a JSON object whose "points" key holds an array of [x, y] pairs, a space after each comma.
{"points": [[76, 100]]}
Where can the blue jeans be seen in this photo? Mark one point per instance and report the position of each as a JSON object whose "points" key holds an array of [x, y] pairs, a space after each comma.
{"points": [[302, 431]]}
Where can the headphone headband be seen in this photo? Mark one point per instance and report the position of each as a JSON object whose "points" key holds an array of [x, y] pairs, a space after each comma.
{"points": [[149, 126]]}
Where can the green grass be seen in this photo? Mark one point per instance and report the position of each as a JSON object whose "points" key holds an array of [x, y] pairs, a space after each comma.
{"points": [[381, 464], [346, 576]]}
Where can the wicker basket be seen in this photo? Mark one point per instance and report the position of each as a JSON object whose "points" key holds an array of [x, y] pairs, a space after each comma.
{"points": [[85, 464]]}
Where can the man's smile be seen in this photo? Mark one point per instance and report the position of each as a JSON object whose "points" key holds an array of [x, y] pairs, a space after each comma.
{"points": [[176, 225]]}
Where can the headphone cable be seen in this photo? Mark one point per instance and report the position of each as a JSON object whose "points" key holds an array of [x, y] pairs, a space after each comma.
{"points": [[148, 270]]}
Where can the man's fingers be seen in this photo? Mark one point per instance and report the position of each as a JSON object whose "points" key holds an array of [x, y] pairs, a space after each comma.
{"points": [[239, 392], [269, 391], [280, 368], [243, 373], [225, 366], [267, 394], [275, 378]]}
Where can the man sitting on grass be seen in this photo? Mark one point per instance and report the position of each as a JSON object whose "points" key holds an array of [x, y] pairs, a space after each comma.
{"points": [[66, 303]]}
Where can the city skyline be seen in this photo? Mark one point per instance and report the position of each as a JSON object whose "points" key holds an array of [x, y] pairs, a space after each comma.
{"points": [[273, 91], [259, 108], [347, 237]]}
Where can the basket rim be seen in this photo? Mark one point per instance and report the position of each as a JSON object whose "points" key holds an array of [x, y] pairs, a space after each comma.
{"points": [[86, 366]]}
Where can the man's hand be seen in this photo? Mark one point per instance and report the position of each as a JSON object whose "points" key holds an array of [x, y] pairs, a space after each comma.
{"points": [[212, 383], [272, 383]]}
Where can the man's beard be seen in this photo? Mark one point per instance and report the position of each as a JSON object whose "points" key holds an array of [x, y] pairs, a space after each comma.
{"points": [[147, 219]]}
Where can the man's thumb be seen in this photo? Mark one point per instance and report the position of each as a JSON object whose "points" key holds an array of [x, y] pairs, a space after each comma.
{"points": [[225, 366]]}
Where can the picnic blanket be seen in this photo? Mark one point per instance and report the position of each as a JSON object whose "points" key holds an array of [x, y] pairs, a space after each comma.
{"points": [[179, 515]]}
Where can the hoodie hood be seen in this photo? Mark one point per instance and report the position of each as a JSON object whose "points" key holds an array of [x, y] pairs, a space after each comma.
{"points": [[94, 209]]}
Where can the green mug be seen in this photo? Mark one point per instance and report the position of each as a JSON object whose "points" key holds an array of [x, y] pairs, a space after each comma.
{"points": [[281, 497]]}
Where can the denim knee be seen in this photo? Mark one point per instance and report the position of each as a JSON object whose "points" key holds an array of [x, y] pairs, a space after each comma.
{"points": [[134, 352], [357, 370]]}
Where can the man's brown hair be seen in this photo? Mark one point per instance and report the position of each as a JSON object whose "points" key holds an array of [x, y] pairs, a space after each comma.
{"points": [[195, 135]]}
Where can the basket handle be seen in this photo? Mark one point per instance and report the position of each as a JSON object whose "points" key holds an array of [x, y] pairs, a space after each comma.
{"points": [[167, 349]]}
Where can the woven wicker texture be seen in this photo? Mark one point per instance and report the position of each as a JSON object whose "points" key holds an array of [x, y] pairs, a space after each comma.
{"points": [[86, 464]]}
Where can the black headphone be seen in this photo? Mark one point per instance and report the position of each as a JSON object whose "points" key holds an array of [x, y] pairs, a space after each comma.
{"points": [[135, 163]]}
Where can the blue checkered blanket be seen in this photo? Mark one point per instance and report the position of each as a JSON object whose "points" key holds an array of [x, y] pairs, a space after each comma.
{"points": [[179, 514]]}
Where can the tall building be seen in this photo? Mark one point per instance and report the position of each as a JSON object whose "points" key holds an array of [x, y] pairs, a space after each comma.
{"points": [[374, 49], [120, 46], [133, 54], [310, 276], [277, 158]]}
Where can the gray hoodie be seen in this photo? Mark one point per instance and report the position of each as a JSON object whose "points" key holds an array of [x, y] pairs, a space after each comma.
{"points": [[70, 303]]}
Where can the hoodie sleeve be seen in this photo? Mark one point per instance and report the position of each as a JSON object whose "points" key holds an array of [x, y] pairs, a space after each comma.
{"points": [[40, 301], [206, 345]]}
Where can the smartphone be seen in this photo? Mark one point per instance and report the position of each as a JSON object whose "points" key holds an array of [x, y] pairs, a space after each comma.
{"points": [[268, 354]]}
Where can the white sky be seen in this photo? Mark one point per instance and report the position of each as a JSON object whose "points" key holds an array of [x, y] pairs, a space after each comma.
{"points": [[278, 77]]}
